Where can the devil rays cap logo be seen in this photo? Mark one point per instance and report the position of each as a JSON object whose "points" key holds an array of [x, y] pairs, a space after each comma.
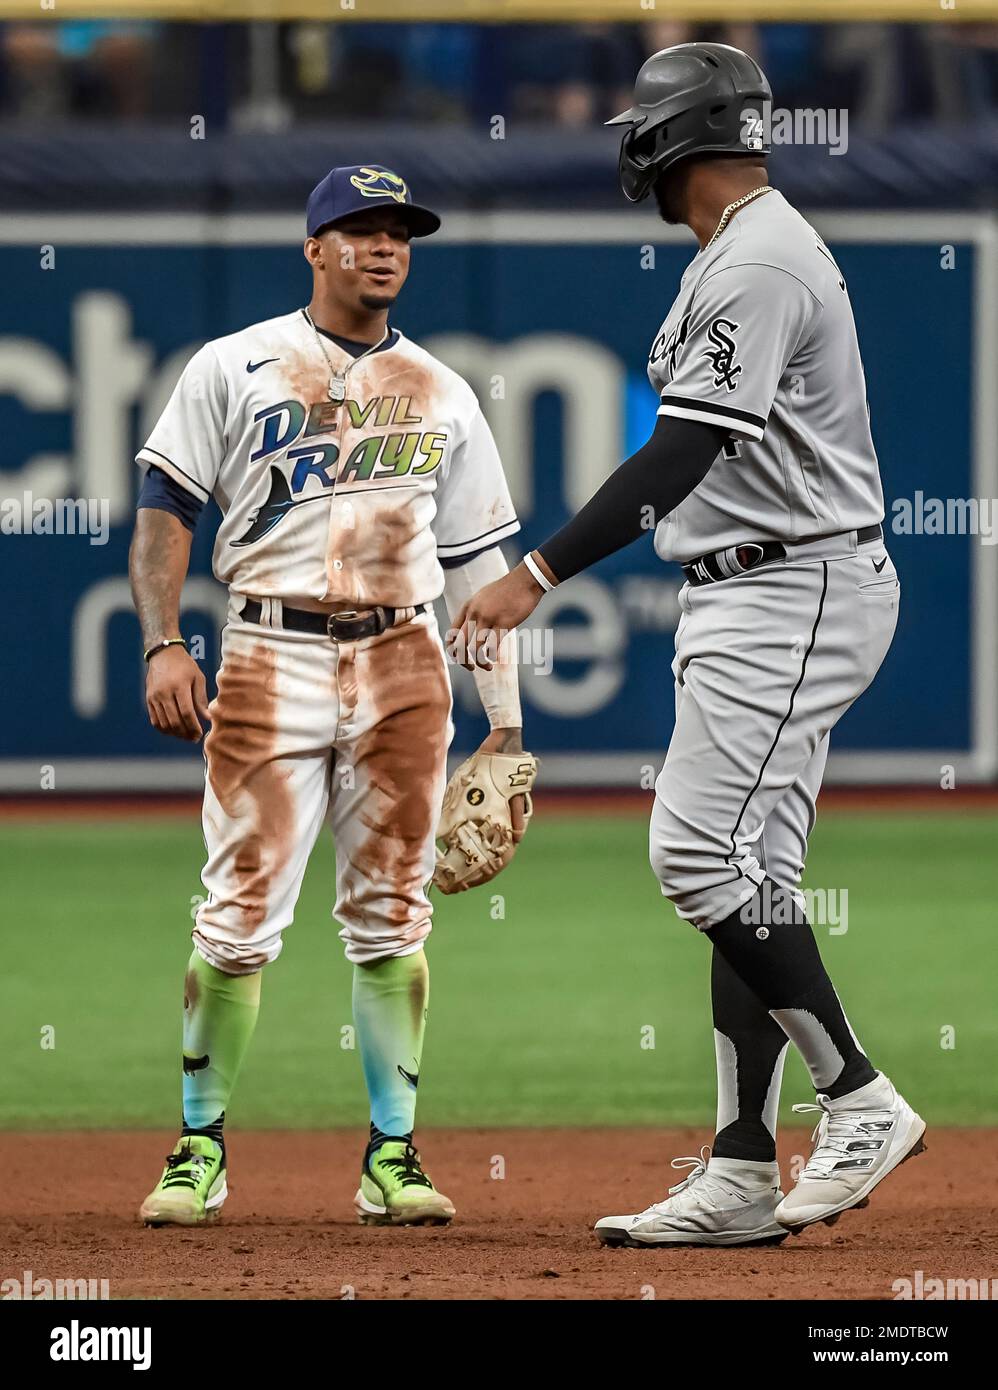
{"points": [[380, 183]]}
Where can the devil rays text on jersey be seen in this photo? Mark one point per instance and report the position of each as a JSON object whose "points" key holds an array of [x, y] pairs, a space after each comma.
{"points": [[395, 455]]}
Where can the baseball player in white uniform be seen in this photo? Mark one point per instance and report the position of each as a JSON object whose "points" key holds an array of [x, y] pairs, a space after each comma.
{"points": [[357, 480], [762, 474]]}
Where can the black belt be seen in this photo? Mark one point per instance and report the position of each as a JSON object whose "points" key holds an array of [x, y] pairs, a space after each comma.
{"points": [[347, 626], [723, 564]]}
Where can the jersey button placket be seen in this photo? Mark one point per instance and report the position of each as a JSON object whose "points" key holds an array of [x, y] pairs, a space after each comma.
{"points": [[346, 652], [341, 430]]}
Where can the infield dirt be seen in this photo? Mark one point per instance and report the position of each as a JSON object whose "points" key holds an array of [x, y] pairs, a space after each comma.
{"points": [[68, 1210]]}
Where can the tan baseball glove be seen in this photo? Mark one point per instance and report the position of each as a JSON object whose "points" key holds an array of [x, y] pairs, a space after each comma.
{"points": [[475, 838]]}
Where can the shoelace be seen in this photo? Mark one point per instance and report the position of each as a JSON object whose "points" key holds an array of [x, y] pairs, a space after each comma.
{"points": [[833, 1133], [407, 1169], [185, 1169], [699, 1167]]}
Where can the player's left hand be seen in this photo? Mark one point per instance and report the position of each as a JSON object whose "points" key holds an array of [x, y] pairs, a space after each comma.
{"points": [[486, 618]]}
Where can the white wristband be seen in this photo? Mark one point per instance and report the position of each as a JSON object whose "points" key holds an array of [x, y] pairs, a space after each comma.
{"points": [[538, 573]]}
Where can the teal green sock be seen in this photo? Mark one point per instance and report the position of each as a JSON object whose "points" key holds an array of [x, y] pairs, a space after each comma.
{"points": [[220, 1014], [390, 1000]]}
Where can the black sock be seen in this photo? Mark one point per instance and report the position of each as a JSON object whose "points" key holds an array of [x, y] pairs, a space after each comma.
{"points": [[750, 1053], [212, 1131], [378, 1137], [769, 944]]}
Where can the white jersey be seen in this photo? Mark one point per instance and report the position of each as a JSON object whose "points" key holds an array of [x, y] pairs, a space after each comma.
{"points": [[761, 340], [349, 501]]}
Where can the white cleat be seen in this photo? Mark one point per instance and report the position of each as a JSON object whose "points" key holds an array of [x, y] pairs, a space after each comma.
{"points": [[860, 1138], [722, 1202]]}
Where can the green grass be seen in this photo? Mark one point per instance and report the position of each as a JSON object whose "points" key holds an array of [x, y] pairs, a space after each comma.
{"points": [[535, 1018]]}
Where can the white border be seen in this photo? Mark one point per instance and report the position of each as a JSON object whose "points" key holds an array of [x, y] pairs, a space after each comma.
{"points": [[599, 771], [984, 582], [571, 228], [937, 228]]}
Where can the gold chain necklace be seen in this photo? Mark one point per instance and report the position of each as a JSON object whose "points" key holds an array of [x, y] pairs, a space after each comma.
{"points": [[732, 208], [337, 390]]}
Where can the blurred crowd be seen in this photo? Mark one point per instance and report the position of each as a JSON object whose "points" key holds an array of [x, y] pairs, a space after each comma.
{"points": [[272, 75]]}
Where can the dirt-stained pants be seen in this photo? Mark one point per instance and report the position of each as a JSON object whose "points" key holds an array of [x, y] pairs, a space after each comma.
{"points": [[303, 728]]}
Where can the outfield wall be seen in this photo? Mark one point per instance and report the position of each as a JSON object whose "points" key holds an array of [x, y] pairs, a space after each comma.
{"points": [[550, 316]]}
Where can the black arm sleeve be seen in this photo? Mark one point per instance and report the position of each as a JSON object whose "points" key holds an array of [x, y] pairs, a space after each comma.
{"points": [[651, 483]]}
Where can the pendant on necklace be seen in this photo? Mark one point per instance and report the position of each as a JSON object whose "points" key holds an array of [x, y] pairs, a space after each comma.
{"points": [[337, 389]]}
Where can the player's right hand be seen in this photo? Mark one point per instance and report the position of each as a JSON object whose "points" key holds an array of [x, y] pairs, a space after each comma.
{"points": [[176, 694]]}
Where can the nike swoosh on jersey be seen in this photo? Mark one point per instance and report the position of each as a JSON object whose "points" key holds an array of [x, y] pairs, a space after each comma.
{"points": [[255, 366], [879, 567], [413, 1079], [278, 504]]}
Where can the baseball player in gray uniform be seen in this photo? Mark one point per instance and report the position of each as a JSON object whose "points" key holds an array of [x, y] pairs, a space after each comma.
{"points": [[763, 478]]}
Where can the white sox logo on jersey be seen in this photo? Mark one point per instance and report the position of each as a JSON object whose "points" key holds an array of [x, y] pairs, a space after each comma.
{"points": [[722, 356]]}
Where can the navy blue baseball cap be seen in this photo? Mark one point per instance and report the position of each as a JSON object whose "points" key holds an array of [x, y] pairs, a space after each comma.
{"points": [[359, 187]]}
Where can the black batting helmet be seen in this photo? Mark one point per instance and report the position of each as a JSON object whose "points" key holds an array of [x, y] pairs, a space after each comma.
{"points": [[695, 98]]}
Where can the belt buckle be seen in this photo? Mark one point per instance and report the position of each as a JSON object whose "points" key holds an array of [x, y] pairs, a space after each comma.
{"points": [[346, 613], [748, 555], [351, 615]]}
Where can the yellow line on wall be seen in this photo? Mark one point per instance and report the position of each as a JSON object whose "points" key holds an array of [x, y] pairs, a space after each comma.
{"points": [[505, 11]]}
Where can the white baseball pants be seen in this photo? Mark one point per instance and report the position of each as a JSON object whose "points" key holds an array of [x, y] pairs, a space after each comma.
{"points": [[304, 729]]}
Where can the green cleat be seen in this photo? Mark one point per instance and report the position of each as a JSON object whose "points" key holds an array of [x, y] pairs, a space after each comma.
{"points": [[192, 1188], [394, 1190]]}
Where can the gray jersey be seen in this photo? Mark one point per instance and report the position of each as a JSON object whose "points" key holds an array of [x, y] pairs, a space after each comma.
{"points": [[761, 340]]}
